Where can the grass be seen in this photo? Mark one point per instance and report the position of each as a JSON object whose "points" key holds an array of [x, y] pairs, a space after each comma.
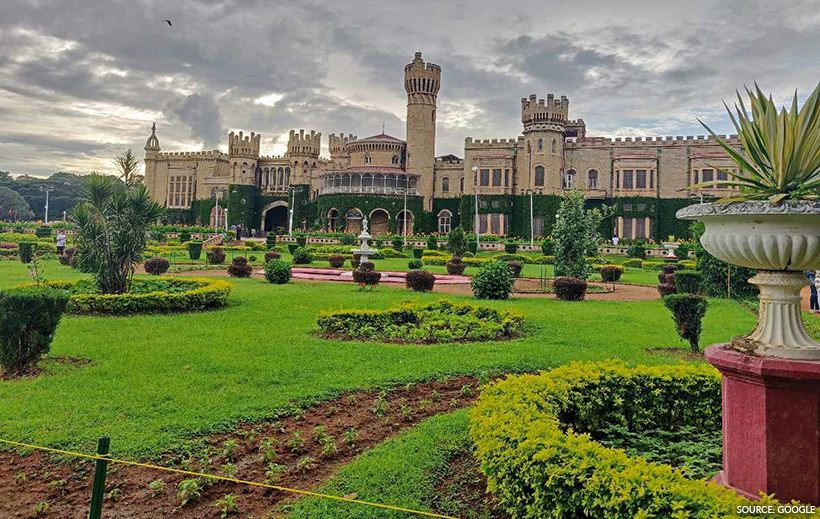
{"points": [[157, 380], [401, 471]]}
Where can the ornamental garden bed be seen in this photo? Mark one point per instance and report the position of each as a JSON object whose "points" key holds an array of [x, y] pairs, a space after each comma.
{"points": [[604, 440], [422, 324], [154, 295]]}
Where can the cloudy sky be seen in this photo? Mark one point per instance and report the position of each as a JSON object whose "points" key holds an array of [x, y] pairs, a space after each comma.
{"points": [[82, 80]]}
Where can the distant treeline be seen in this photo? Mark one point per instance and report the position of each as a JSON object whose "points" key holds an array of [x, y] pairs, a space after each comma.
{"points": [[65, 190]]}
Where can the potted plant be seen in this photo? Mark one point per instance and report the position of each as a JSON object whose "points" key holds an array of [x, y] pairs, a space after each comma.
{"points": [[773, 223]]}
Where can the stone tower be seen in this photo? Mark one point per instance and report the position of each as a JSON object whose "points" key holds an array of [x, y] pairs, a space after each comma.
{"points": [[152, 150], [422, 81], [544, 128], [243, 151], [303, 152], [336, 144]]}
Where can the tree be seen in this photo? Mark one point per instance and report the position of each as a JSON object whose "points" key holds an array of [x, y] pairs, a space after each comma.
{"points": [[687, 312], [720, 279], [128, 164], [576, 235], [65, 191], [457, 241], [13, 206], [112, 230]]}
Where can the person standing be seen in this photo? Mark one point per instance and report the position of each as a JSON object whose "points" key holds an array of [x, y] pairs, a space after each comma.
{"points": [[813, 303], [61, 238], [615, 240]]}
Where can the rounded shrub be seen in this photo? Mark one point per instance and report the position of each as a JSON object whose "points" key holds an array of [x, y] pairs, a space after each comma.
{"points": [[292, 247], [336, 260], [688, 281], [515, 267], [42, 232], [277, 271], [272, 255], [366, 274], [420, 280], [633, 263], [415, 264], [270, 240], [67, 258], [456, 267], [472, 247], [239, 268], [156, 266], [397, 244], [302, 256], [301, 240], [216, 256], [26, 249], [636, 250], [184, 236], [194, 249], [682, 252], [347, 239], [493, 281], [432, 243], [28, 319], [611, 273], [418, 253], [569, 289], [510, 247], [548, 247]]}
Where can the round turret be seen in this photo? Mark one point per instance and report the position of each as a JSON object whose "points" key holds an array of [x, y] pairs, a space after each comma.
{"points": [[152, 144]]}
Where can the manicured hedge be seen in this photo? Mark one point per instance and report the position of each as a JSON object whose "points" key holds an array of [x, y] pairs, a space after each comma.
{"points": [[533, 435], [195, 294]]}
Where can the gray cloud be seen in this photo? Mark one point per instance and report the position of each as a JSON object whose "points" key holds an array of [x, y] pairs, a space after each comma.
{"points": [[200, 113]]}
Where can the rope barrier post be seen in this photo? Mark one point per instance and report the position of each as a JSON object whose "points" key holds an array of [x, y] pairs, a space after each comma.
{"points": [[100, 470]]}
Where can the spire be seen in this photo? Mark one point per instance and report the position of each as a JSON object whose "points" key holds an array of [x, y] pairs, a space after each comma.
{"points": [[152, 144]]}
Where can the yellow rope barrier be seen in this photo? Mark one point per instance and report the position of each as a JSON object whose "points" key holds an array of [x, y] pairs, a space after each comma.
{"points": [[224, 478]]}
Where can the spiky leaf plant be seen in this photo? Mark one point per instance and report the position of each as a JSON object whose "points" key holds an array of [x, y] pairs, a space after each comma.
{"points": [[781, 149]]}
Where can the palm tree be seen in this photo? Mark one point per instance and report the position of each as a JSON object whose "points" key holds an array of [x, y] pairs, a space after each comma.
{"points": [[128, 164], [112, 230]]}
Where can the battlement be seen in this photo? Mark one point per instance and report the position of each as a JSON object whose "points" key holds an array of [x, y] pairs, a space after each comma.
{"points": [[304, 143], [271, 158], [549, 110], [421, 77], [243, 145], [469, 142], [192, 155], [337, 143], [678, 140]]}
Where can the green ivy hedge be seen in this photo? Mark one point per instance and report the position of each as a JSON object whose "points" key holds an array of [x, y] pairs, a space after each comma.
{"points": [[533, 438], [181, 295]]}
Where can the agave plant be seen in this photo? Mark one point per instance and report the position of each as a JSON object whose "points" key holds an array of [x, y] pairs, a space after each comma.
{"points": [[781, 149]]}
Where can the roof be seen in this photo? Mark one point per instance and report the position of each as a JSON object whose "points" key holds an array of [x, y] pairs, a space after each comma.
{"points": [[383, 137]]}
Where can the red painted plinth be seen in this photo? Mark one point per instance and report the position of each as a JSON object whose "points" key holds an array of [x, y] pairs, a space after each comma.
{"points": [[771, 425]]}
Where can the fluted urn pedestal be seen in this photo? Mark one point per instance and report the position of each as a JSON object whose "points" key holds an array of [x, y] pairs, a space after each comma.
{"points": [[771, 377]]}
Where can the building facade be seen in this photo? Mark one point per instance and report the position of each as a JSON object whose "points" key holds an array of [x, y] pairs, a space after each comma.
{"points": [[398, 184]]}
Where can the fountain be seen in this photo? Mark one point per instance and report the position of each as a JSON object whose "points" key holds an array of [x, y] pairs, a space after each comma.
{"points": [[364, 251]]}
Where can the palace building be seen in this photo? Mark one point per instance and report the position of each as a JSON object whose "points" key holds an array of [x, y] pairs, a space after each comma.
{"points": [[518, 180]]}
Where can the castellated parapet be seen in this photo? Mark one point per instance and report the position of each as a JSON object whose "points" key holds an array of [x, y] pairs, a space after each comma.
{"points": [[669, 140], [190, 155], [422, 80], [302, 143], [243, 145], [544, 114], [337, 143]]}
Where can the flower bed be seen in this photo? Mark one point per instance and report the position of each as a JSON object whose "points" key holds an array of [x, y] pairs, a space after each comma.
{"points": [[424, 324], [158, 295], [535, 439]]}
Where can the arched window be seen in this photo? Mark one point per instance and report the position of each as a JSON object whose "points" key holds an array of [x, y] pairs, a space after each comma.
{"points": [[395, 159], [367, 159], [461, 184], [445, 184], [445, 219], [402, 219], [592, 179], [539, 176], [540, 144], [569, 179], [554, 146]]}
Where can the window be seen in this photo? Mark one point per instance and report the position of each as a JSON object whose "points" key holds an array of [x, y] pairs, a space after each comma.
{"points": [[445, 185], [627, 230], [640, 179], [485, 177], [707, 175], [554, 146], [640, 208], [445, 219], [592, 179], [367, 159], [180, 190], [395, 159], [496, 178], [539, 175], [482, 224], [627, 206], [626, 179], [506, 178], [495, 223], [540, 144], [721, 175], [538, 226], [461, 184], [569, 179], [640, 227]]}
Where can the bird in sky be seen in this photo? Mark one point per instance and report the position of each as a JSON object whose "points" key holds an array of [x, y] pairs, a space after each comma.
{"points": [[169, 23]]}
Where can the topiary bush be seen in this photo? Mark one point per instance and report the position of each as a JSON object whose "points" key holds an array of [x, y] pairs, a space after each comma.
{"points": [[611, 273], [42, 232], [667, 280], [633, 263], [347, 239], [420, 280], [292, 247], [277, 271], [272, 255], [216, 256], [184, 236], [302, 256], [455, 267], [688, 281], [432, 243], [336, 260], [548, 247], [239, 268], [194, 249], [569, 289], [418, 253], [457, 242], [25, 249], [301, 240], [682, 252], [510, 247], [515, 267], [28, 319], [493, 281], [472, 247], [687, 312], [270, 240], [67, 258], [366, 275], [415, 264], [636, 250], [156, 266], [535, 438]]}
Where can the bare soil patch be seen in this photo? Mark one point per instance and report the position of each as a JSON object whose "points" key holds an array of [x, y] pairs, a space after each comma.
{"points": [[461, 491], [678, 353], [306, 461]]}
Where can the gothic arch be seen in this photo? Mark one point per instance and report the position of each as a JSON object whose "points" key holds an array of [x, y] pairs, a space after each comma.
{"points": [[264, 212]]}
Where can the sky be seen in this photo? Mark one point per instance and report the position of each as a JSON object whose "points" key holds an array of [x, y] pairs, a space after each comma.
{"points": [[82, 80]]}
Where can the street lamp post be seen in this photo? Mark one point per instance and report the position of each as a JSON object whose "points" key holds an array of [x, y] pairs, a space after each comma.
{"points": [[226, 219], [532, 222], [46, 189], [477, 223], [404, 230], [290, 210], [216, 212]]}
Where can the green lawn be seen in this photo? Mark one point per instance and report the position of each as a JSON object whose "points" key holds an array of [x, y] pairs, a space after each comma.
{"points": [[157, 380]]}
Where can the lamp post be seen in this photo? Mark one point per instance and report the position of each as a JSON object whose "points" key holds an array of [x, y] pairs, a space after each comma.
{"points": [[404, 230], [532, 221], [290, 210], [216, 211], [46, 189], [64, 213], [226, 219], [475, 191]]}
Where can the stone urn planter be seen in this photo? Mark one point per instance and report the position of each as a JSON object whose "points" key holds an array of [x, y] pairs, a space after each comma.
{"points": [[781, 242]]}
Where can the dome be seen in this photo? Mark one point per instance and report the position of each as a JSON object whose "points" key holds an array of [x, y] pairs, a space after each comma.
{"points": [[152, 144]]}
